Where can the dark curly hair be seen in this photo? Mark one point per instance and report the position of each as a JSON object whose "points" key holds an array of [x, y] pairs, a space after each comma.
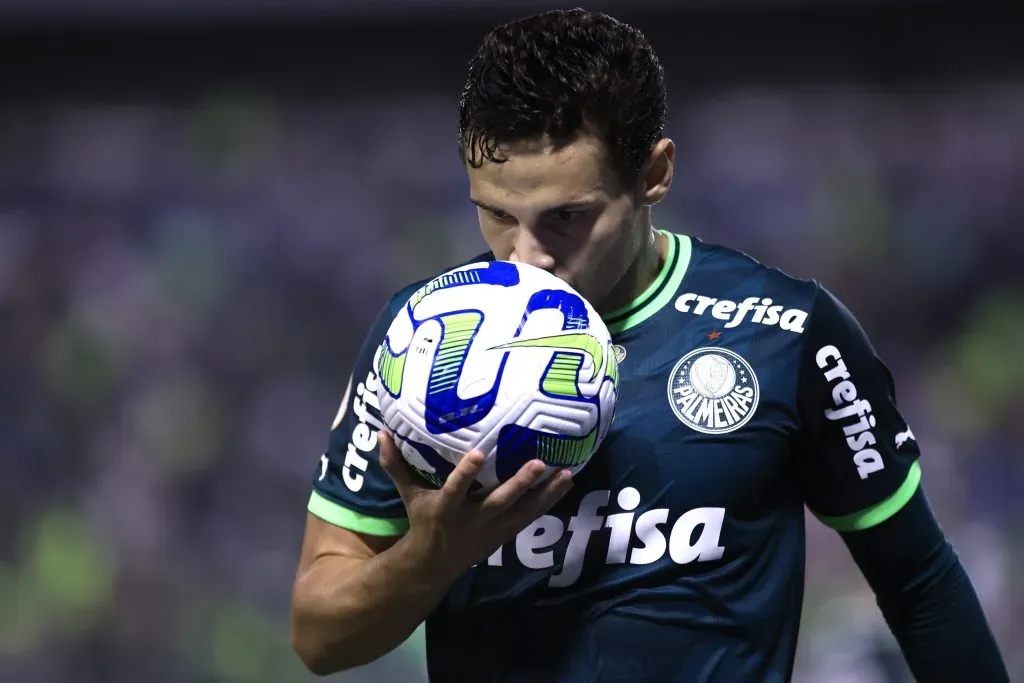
{"points": [[556, 73]]}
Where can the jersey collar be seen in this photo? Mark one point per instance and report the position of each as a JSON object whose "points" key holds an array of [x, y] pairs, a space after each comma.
{"points": [[659, 293]]}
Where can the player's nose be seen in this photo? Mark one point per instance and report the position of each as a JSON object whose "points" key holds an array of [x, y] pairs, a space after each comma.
{"points": [[531, 251]]}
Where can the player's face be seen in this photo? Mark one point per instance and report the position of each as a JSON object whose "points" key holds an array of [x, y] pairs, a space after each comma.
{"points": [[562, 209]]}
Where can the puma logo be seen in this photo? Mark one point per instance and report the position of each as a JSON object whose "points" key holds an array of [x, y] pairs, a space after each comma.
{"points": [[904, 437]]}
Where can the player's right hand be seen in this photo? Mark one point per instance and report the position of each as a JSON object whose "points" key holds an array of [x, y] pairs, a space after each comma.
{"points": [[450, 531]]}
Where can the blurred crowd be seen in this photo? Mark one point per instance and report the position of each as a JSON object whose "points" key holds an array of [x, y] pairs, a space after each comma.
{"points": [[183, 290]]}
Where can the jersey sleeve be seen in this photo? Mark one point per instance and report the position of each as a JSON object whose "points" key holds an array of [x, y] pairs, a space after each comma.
{"points": [[858, 459], [350, 488]]}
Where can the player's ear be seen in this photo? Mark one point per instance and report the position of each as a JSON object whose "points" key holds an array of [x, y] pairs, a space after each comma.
{"points": [[656, 174]]}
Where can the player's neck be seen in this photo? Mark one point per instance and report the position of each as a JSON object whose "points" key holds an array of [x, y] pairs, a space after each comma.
{"points": [[645, 269]]}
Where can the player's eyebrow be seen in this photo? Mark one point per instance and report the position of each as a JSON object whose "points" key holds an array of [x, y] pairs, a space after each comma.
{"points": [[571, 205], [485, 205]]}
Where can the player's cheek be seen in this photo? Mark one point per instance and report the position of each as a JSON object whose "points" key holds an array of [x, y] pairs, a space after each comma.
{"points": [[501, 242]]}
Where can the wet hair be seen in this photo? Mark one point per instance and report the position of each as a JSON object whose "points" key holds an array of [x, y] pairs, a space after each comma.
{"points": [[559, 74]]}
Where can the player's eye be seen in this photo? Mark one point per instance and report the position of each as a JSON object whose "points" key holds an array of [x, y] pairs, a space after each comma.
{"points": [[561, 222], [498, 214]]}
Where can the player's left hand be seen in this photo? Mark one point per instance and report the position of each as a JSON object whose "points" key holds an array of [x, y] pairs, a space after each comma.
{"points": [[451, 531]]}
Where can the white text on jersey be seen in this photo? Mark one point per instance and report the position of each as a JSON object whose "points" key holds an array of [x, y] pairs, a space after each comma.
{"points": [[765, 313], [534, 546], [849, 407], [364, 434]]}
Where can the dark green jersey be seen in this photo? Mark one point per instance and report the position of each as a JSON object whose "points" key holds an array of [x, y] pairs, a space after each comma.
{"points": [[744, 395]]}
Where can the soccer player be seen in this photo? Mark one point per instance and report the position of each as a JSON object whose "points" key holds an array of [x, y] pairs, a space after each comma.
{"points": [[677, 554]]}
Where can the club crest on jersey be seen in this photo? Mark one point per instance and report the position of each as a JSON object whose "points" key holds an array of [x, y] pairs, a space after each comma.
{"points": [[620, 353], [713, 390]]}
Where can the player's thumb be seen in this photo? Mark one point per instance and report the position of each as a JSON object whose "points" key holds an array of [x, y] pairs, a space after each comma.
{"points": [[394, 464]]}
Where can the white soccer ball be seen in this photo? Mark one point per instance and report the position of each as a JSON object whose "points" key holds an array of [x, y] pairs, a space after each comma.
{"points": [[499, 356]]}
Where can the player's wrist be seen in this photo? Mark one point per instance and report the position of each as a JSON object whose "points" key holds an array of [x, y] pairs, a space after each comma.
{"points": [[426, 560]]}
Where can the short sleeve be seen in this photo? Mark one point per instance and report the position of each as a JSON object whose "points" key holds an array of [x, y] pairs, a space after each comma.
{"points": [[350, 489], [858, 459]]}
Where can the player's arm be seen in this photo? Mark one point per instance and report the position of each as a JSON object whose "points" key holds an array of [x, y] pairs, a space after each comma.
{"points": [[342, 575], [381, 546], [348, 575], [861, 475]]}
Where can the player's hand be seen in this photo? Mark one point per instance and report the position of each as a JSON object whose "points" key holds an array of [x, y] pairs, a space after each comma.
{"points": [[451, 531]]}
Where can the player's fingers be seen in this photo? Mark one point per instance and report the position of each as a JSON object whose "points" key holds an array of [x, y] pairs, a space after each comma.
{"points": [[394, 464], [535, 503], [504, 496], [457, 485]]}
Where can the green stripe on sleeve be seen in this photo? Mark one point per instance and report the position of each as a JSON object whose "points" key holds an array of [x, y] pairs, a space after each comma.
{"points": [[876, 514], [331, 512]]}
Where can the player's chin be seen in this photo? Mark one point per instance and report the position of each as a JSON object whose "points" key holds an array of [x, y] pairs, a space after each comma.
{"points": [[565, 277], [592, 287], [574, 281]]}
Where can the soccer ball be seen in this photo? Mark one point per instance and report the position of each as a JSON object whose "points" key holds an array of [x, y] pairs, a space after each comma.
{"points": [[503, 357]]}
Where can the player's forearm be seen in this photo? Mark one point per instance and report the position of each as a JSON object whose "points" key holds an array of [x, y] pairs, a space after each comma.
{"points": [[347, 612], [927, 598], [942, 629]]}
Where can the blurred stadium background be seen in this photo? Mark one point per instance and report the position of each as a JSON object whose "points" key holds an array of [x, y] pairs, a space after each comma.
{"points": [[204, 203]]}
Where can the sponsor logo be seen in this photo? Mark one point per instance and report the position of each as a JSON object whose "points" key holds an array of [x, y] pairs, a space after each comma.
{"points": [[634, 539], [904, 437], [853, 413], [366, 410], [763, 311], [713, 390], [343, 408]]}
